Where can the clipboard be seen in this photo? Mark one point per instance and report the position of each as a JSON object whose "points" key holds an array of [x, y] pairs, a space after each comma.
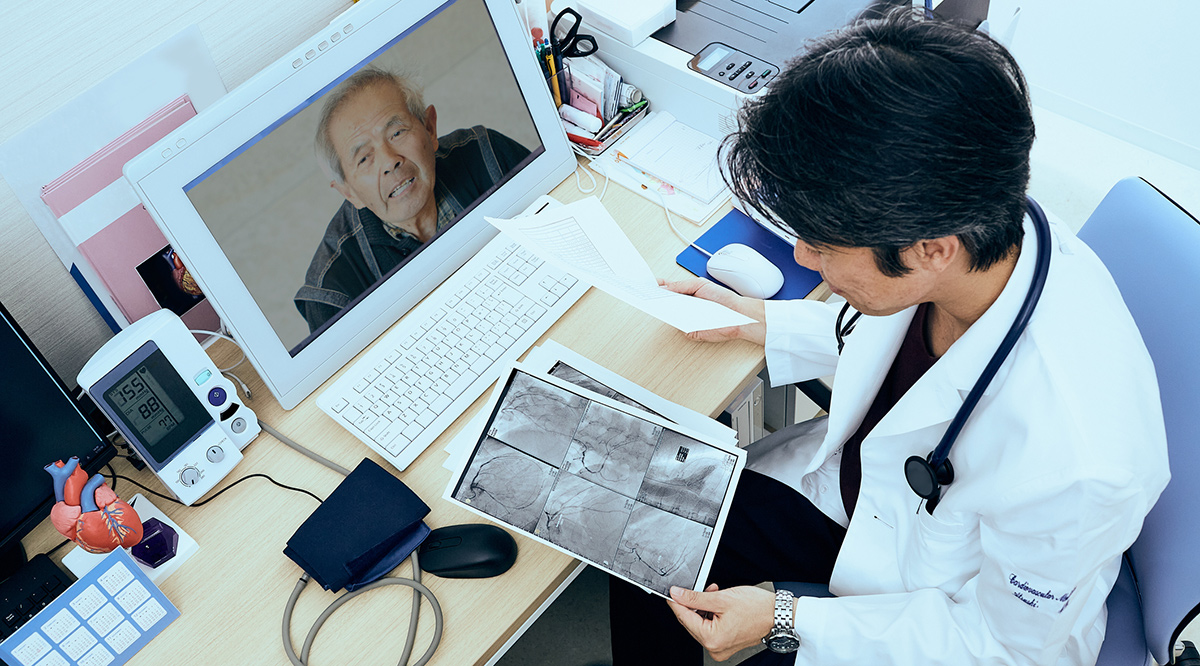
{"points": [[737, 227]]}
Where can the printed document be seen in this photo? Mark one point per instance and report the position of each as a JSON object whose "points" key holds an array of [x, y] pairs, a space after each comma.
{"points": [[584, 239]]}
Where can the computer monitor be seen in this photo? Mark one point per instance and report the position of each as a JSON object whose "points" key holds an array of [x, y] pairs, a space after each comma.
{"points": [[39, 424], [309, 249]]}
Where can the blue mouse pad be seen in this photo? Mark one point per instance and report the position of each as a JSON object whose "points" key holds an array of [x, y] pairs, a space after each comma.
{"points": [[737, 227]]}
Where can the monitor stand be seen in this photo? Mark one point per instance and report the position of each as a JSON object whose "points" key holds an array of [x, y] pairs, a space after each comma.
{"points": [[11, 561]]}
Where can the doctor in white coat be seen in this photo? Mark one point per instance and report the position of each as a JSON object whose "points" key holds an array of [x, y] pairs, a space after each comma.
{"points": [[897, 151]]}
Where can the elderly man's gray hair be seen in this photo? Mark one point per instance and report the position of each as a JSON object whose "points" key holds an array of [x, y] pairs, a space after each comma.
{"points": [[365, 78]]}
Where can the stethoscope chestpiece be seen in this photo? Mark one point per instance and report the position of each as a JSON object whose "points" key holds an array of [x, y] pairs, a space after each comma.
{"points": [[927, 481]]}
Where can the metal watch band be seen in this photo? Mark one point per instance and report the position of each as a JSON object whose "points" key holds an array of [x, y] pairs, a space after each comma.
{"points": [[785, 608]]}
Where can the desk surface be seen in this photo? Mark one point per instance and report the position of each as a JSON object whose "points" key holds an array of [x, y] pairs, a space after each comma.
{"points": [[232, 592]]}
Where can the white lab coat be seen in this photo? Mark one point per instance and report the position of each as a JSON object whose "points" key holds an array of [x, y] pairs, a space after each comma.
{"points": [[1054, 473]]}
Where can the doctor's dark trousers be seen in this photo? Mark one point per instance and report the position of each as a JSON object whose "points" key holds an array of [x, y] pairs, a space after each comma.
{"points": [[773, 533]]}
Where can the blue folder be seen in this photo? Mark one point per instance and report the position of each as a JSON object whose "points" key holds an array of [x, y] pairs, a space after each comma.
{"points": [[737, 227]]}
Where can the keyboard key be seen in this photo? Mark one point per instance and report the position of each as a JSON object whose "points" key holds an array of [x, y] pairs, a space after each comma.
{"points": [[340, 405], [440, 403], [392, 440], [376, 428], [371, 376], [549, 299], [361, 386], [495, 352], [558, 289], [408, 342], [412, 430], [481, 365], [536, 311], [507, 341], [362, 405], [426, 417], [547, 282], [382, 367], [461, 384], [524, 323], [568, 280], [373, 394], [392, 357]]}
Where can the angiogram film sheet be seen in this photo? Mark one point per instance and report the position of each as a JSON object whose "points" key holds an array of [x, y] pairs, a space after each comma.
{"points": [[620, 491]]}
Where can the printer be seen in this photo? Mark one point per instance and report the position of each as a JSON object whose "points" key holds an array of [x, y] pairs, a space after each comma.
{"points": [[716, 53]]}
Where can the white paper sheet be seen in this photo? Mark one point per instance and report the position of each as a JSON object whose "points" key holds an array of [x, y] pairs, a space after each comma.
{"points": [[584, 239], [677, 154]]}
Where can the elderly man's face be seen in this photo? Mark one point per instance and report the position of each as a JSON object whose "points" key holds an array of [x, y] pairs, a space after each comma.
{"points": [[387, 155]]}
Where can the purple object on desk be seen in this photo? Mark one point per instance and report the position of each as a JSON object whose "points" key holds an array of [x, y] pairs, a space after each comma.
{"points": [[737, 227], [158, 545]]}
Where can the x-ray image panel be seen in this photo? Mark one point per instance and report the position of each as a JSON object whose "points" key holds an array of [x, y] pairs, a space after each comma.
{"points": [[569, 374], [612, 449], [538, 418], [687, 478], [507, 484], [631, 493], [584, 518], [660, 549]]}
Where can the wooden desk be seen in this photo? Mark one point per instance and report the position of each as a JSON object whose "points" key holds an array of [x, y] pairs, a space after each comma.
{"points": [[231, 594]]}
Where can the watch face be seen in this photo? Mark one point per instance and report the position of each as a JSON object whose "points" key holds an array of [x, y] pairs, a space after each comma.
{"points": [[783, 643]]}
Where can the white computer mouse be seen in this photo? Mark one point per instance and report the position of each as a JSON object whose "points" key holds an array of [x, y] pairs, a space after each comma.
{"points": [[744, 270]]}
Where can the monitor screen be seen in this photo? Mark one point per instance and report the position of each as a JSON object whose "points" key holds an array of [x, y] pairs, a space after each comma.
{"points": [[341, 192], [39, 424], [344, 183]]}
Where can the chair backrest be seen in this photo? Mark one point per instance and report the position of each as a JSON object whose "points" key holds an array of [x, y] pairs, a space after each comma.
{"points": [[1152, 248]]}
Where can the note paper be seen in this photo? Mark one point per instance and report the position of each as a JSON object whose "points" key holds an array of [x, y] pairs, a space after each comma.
{"points": [[583, 239]]}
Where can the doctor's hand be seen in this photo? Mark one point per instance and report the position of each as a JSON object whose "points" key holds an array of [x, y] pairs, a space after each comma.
{"points": [[709, 291], [725, 621]]}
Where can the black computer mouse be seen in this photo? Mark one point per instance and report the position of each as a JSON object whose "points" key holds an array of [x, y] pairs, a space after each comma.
{"points": [[473, 550]]}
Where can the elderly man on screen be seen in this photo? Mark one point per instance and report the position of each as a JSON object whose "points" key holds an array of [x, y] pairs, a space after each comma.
{"points": [[378, 144]]}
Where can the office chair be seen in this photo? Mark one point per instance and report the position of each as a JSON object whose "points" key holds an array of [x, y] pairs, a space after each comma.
{"points": [[1151, 247]]}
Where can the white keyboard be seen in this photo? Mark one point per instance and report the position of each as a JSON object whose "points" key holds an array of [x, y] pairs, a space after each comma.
{"points": [[424, 372]]}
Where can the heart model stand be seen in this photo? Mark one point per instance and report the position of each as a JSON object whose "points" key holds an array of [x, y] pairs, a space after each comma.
{"points": [[88, 512]]}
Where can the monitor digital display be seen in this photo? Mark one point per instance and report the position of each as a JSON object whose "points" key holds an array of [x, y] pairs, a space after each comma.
{"points": [[154, 404], [341, 192]]}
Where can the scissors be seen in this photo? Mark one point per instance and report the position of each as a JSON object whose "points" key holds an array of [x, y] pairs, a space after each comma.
{"points": [[573, 45]]}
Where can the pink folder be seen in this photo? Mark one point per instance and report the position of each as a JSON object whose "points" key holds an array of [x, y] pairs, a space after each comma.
{"points": [[116, 251]]}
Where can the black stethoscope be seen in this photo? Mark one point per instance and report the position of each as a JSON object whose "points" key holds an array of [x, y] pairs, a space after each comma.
{"points": [[926, 476]]}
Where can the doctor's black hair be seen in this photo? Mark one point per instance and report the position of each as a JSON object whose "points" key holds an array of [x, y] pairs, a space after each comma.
{"points": [[888, 132]]}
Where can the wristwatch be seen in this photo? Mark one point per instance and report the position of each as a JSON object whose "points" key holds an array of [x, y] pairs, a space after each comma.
{"points": [[782, 638]]}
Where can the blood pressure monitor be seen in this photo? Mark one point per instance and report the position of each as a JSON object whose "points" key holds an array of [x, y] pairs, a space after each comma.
{"points": [[164, 394]]}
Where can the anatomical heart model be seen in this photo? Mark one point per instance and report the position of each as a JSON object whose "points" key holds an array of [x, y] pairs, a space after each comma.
{"points": [[88, 512]]}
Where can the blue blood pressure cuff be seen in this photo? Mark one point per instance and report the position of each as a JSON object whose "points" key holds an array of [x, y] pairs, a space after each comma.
{"points": [[367, 526]]}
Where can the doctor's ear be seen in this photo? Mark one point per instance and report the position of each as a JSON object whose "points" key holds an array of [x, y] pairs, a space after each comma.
{"points": [[935, 254]]}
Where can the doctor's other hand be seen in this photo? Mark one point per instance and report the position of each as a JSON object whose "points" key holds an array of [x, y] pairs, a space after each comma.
{"points": [[725, 622], [710, 291]]}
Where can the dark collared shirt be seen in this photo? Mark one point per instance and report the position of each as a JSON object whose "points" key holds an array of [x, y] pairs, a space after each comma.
{"points": [[357, 250]]}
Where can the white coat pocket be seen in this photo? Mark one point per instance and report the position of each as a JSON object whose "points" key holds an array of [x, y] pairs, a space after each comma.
{"points": [[942, 552]]}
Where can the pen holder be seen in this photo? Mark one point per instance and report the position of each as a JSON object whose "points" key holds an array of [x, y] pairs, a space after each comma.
{"points": [[559, 84]]}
